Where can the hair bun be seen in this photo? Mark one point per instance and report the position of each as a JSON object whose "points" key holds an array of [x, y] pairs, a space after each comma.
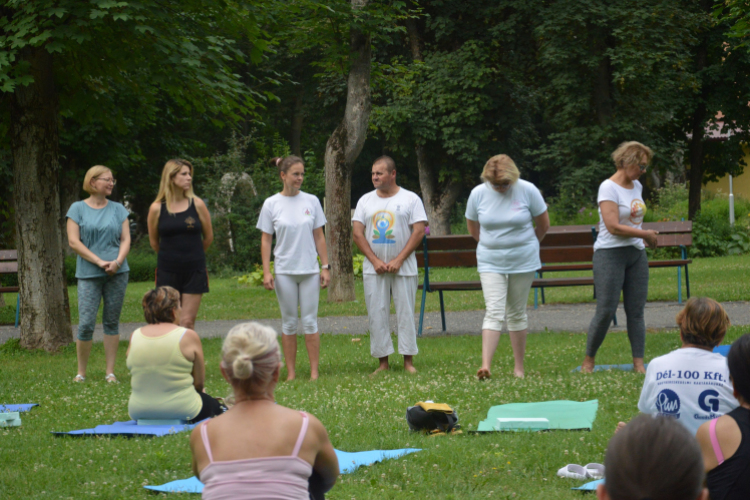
{"points": [[242, 368]]}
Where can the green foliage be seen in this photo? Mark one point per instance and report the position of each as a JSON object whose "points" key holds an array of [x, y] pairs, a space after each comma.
{"points": [[142, 265], [254, 278]]}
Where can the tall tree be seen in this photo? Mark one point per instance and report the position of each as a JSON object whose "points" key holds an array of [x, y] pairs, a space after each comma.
{"points": [[185, 50], [342, 150]]}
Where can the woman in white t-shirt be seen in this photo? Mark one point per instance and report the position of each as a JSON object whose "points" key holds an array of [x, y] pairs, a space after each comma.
{"points": [[297, 219], [692, 384], [620, 262], [500, 214]]}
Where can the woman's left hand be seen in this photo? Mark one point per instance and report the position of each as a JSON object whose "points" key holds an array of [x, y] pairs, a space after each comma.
{"points": [[325, 278]]}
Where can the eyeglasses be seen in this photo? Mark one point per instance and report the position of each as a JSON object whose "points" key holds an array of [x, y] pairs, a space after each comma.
{"points": [[642, 166], [113, 181]]}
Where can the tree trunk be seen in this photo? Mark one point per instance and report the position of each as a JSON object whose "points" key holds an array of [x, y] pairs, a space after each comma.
{"points": [[70, 187], [295, 138], [695, 146], [342, 150], [438, 202], [45, 315]]}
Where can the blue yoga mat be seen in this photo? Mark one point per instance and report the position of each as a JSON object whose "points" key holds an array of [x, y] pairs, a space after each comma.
{"points": [[589, 486], [723, 350], [129, 428], [348, 462], [7, 408], [628, 367]]}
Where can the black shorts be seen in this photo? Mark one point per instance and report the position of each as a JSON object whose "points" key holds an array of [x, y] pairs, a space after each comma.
{"points": [[192, 282]]}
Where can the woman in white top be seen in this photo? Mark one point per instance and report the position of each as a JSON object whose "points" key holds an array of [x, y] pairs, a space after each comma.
{"points": [[620, 262], [297, 219], [500, 215]]}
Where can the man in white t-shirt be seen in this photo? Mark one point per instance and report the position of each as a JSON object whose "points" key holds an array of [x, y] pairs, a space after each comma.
{"points": [[388, 226]]}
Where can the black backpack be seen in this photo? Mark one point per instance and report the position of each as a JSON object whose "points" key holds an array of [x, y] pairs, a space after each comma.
{"points": [[432, 417]]}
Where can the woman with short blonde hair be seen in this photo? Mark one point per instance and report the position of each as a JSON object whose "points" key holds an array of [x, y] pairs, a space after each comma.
{"points": [[180, 232], [620, 262], [500, 215], [284, 453], [99, 232]]}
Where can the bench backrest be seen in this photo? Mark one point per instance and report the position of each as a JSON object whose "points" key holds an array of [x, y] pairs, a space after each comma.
{"points": [[8, 261], [561, 244]]}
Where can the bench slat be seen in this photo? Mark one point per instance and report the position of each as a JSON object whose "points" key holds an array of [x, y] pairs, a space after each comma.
{"points": [[670, 227], [8, 267], [567, 239], [8, 289], [8, 255], [674, 240], [669, 263], [566, 254], [537, 283]]}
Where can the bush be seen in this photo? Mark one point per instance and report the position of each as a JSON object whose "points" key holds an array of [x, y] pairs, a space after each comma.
{"points": [[142, 266]]}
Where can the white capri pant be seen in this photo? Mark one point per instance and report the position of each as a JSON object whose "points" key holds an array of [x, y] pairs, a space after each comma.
{"points": [[301, 290], [505, 297], [378, 289]]}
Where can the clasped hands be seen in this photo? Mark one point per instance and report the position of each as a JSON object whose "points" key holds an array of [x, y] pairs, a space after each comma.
{"points": [[110, 267], [392, 266]]}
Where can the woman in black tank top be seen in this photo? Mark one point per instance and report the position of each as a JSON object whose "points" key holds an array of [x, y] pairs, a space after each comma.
{"points": [[179, 230], [725, 442]]}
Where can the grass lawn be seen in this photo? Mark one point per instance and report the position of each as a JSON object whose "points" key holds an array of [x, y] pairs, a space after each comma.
{"points": [[722, 278], [359, 413]]}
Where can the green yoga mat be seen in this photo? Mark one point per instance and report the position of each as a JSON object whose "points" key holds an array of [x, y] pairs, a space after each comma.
{"points": [[561, 414]]}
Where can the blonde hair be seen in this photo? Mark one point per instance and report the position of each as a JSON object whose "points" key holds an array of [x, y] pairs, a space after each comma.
{"points": [[630, 153], [93, 173], [250, 355], [500, 168], [167, 188]]}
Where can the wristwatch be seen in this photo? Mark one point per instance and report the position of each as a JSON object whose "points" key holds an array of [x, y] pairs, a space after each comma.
{"points": [[326, 267]]}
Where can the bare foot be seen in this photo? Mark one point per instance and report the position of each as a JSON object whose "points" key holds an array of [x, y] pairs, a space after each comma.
{"points": [[380, 368], [638, 365], [483, 373], [313, 376], [519, 373], [410, 368], [588, 365], [290, 377]]}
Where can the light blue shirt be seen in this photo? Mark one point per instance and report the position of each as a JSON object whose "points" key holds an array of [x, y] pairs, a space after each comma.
{"points": [[100, 231], [507, 241]]}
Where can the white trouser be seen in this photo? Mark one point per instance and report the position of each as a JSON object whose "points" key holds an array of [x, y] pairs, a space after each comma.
{"points": [[378, 289], [298, 289], [505, 297]]}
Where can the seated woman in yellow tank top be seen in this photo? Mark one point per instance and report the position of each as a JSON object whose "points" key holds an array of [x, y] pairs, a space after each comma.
{"points": [[166, 365]]}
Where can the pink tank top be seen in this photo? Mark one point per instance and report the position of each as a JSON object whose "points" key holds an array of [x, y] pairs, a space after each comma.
{"points": [[271, 478]]}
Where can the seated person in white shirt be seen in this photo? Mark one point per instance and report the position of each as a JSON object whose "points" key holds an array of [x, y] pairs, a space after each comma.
{"points": [[691, 384]]}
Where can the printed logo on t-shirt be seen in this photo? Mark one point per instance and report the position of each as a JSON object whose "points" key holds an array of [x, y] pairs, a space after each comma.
{"points": [[308, 212], [382, 228], [708, 402], [668, 403], [516, 205], [637, 211], [190, 222]]}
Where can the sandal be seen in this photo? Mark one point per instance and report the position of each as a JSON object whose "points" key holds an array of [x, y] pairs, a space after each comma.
{"points": [[79, 378], [111, 378]]}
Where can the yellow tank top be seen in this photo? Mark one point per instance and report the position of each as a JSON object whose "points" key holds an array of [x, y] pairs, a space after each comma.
{"points": [[161, 378]]}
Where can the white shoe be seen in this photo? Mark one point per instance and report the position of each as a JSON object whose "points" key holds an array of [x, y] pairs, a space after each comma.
{"points": [[594, 471], [573, 471]]}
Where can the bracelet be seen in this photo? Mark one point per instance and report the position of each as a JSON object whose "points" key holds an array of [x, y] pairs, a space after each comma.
{"points": [[118, 264], [326, 267]]}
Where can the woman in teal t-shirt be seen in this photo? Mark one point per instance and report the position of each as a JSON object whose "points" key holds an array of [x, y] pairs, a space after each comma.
{"points": [[99, 233]]}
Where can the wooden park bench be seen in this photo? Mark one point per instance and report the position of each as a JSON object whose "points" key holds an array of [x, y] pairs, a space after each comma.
{"points": [[564, 248], [9, 265]]}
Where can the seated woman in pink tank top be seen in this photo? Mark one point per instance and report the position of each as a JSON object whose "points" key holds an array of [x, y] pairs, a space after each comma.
{"points": [[258, 449]]}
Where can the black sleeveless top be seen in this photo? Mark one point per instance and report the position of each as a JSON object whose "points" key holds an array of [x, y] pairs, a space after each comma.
{"points": [[180, 241], [731, 480]]}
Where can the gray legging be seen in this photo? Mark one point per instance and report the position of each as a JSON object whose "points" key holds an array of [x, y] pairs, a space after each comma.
{"points": [[616, 269]]}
